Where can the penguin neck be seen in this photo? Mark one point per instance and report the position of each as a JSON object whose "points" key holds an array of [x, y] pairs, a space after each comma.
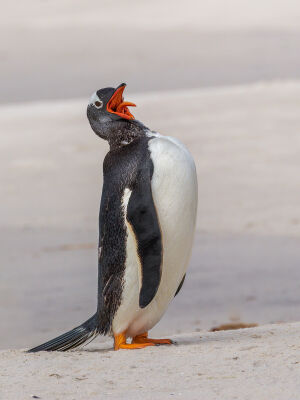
{"points": [[122, 134]]}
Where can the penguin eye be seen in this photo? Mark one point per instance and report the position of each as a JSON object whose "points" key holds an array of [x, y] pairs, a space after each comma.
{"points": [[98, 104]]}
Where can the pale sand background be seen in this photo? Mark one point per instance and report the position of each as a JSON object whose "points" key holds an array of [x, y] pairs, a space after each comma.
{"points": [[245, 140], [68, 48], [259, 363]]}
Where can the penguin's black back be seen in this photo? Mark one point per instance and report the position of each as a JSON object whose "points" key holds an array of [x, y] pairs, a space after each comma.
{"points": [[131, 167]]}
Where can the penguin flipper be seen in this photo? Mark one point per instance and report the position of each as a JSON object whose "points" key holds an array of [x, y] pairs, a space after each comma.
{"points": [[180, 286], [71, 339], [142, 216]]}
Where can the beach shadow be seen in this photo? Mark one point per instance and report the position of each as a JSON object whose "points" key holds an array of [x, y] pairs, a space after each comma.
{"points": [[97, 350], [222, 336]]}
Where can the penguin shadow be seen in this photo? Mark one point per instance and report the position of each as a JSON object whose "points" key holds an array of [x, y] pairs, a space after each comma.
{"points": [[111, 349], [218, 337], [177, 343], [102, 350], [198, 338]]}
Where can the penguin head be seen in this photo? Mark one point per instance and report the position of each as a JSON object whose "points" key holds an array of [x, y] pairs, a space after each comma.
{"points": [[108, 108]]}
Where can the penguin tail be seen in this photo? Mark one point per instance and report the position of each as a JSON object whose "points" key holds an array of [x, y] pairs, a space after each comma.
{"points": [[82, 334]]}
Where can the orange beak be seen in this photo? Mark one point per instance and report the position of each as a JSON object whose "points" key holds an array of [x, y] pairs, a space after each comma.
{"points": [[118, 106]]}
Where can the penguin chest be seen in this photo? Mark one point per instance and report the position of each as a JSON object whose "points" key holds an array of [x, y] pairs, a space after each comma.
{"points": [[174, 192]]}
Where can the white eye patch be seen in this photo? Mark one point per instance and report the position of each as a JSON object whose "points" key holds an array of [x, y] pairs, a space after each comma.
{"points": [[98, 104], [95, 101]]}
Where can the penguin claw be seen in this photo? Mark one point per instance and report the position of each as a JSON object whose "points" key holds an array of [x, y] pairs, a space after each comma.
{"points": [[131, 346], [160, 342], [143, 339], [120, 343], [139, 341]]}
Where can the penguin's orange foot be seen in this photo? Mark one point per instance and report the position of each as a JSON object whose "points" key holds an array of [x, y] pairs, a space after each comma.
{"points": [[143, 339], [130, 346], [120, 343]]}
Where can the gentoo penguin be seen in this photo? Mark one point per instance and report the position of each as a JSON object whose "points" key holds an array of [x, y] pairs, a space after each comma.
{"points": [[146, 227]]}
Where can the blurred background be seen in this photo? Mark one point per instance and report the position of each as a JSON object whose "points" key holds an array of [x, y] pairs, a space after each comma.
{"points": [[223, 76]]}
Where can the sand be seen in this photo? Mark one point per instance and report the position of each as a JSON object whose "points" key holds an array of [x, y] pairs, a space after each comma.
{"points": [[257, 363], [66, 49]]}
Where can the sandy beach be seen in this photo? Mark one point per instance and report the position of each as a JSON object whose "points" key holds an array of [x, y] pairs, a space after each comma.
{"points": [[246, 364], [67, 49]]}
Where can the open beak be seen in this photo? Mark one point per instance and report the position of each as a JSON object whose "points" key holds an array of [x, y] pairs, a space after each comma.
{"points": [[118, 106]]}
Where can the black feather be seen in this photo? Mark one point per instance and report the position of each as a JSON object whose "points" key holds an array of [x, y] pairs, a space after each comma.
{"points": [[71, 339]]}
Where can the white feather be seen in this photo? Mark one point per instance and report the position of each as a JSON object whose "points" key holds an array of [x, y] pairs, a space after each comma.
{"points": [[94, 98], [174, 190]]}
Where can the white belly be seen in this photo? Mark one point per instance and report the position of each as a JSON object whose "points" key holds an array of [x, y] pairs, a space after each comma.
{"points": [[174, 190]]}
